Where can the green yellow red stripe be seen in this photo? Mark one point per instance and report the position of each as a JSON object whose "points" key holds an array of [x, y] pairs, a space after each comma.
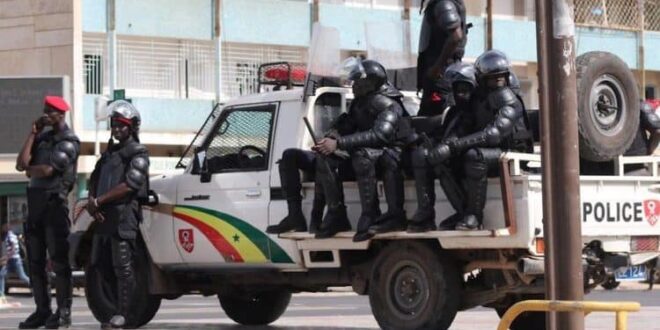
{"points": [[235, 239]]}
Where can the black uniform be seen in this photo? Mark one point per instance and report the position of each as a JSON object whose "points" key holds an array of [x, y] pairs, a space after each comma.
{"points": [[293, 161], [47, 226], [440, 18], [114, 238], [372, 139], [496, 122]]}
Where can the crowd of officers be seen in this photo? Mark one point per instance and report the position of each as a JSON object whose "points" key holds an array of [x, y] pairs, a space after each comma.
{"points": [[469, 115]]}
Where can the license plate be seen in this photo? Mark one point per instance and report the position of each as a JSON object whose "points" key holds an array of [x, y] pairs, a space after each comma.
{"points": [[632, 273]]}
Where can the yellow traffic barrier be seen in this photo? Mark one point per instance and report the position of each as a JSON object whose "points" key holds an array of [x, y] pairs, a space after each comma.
{"points": [[620, 307]]}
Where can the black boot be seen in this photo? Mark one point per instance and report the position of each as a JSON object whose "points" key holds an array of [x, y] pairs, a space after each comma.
{"points": [[60, 319], [450, 222], [455, 194], [294, 221], [35, 320], [318, 205], [424, 218], [476, 186], [469, 222], [395, 217], [335, 221]]}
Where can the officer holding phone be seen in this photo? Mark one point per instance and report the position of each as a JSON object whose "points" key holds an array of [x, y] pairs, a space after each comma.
{"points": [[49, 158]]}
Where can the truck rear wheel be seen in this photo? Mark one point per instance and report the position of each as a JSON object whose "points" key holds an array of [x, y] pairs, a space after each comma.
{"points": [[608, 106], [101, 292], [414, 287], [255, 307]]}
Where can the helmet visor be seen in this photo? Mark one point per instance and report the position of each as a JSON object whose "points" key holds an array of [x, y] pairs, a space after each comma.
{"points": [[350, 70]]}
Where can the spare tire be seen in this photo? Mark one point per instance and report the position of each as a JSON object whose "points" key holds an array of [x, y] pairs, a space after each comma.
{"points": [[608, 106]]}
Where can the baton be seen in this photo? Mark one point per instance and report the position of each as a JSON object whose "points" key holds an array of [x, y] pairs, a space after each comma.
{"points": [[321, 157], [310, 130]]}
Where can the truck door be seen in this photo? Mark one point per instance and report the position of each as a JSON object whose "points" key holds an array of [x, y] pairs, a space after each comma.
{"points": [[222, 200]]}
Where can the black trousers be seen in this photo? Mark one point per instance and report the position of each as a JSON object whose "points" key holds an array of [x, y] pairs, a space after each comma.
{"points": [[47, 231], [112, 251]]}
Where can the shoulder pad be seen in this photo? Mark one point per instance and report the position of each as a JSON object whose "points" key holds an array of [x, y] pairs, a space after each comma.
{"points": [[63, 155], [446, 15], [502, 97], [132, 149], [380, 103]]}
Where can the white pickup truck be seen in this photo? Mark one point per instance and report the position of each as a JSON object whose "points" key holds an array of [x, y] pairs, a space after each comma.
{"points": [[204, 232]]}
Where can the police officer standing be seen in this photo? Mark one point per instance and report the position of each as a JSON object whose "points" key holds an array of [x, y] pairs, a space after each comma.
{"points": [[117, 184], [496, 122], [373, 141], [441, 42], [49, 159]]}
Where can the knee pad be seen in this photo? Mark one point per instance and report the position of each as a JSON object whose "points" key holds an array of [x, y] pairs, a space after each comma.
{"points": [[362, 165], [474, 164]]}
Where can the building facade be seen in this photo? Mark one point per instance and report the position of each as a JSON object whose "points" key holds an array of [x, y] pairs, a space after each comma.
{"points": [[167, 53]]}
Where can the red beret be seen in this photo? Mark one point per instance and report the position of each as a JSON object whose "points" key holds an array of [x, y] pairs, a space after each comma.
{"points": [[56, 103]]}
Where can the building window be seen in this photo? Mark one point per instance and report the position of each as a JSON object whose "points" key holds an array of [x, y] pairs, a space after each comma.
{"points": [[93, 74]]}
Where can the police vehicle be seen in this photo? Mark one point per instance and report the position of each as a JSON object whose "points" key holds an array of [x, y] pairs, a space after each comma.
{"points": [[204, 230]]}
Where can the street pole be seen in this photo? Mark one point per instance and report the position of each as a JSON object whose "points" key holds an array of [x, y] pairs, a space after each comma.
{"points": [[111, 34], [640, 36], [489, 24], [562, 170], [217, 40]]}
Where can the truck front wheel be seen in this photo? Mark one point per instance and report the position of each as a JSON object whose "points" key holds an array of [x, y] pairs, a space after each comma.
{"points": [[255, 307], [414, 287]]}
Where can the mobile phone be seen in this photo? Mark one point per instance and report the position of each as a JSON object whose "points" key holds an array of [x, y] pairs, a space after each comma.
{"points": [[41, 122]]}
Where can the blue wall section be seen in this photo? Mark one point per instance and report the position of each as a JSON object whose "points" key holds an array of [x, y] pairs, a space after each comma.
{"points": [[190, 19], [266, 22], [621, 43], [652, 50], [350, 21], [160, 115], [516, 38], [93, 15]]}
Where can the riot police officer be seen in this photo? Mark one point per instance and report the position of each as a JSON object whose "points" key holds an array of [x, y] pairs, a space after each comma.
{"points": [[441, 42], [117, 185], [49, 159], [496, 122], [373, 140], [294, 160], [463, 80]]}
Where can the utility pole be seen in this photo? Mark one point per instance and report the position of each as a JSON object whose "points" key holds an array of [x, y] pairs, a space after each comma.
{"points": [[560, 156], [111, 35], [217, 40], [489, 24]]}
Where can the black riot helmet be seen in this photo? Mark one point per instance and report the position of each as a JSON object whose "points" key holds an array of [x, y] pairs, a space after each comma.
{"points": [[492, 63], [126, 113], [461, 72], [366, 76]]}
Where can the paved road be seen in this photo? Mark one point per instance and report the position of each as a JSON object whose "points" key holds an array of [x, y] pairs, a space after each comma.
{"points": [[332, 311]]}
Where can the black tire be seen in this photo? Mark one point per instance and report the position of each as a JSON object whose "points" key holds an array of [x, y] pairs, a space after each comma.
{"points": [[413, 286], [255, 307], [604, 79], [101, 295], [527, 320], [610, 284]]}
